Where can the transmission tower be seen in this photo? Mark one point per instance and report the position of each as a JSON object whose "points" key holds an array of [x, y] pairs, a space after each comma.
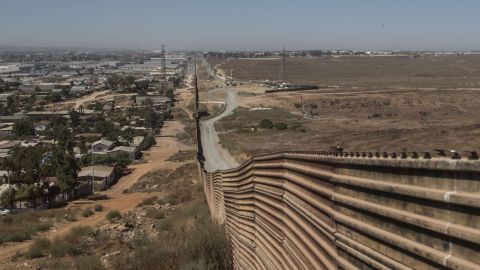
{"points": [[284, 64], [164, 62]]}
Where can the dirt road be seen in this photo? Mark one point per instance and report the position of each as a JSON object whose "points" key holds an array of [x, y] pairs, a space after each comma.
{"points": [[79, 101], [216, 157], [167, 145]]}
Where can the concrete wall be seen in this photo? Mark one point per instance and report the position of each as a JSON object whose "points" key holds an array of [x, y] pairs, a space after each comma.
{"points": [[349, 211]]}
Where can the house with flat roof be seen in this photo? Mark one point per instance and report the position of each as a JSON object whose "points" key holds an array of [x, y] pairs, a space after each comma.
{"points": [[6, 130], [102, 176], [9, 144], [12, 118], [158, 102], [47, 114], [78, 90], [4, 153], [132, 151]]}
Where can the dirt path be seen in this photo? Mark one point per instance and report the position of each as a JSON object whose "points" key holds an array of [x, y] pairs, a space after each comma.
{"points": [[186, 97], [216, 157], [167, 145], [79, 101]]}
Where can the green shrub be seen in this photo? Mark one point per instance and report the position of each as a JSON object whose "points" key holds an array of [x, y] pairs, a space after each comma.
{"points": [[43, 227], [88, 212], [70, 217], [171, 199], [78, 232], [281, 126], [88, 263], [38, 248], [16, 256], [61, 248], [7, 219], [148, 201], [266, 124], [69, 244], [155, 213], [57, 264], [163, 225], [114, 214], [98, 207]]}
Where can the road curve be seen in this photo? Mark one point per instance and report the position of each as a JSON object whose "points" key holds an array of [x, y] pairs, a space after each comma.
{"points": [[216, 157]]}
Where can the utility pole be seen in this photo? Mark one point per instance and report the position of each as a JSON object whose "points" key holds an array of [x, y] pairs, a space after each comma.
{"points": [[284, 64], [164, 62]]}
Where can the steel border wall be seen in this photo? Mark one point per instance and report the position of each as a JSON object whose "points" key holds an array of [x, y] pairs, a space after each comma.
{"points": [[349, 210]]}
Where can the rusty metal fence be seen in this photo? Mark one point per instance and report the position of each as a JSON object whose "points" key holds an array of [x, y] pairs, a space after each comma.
{"points": [[327, 210]]}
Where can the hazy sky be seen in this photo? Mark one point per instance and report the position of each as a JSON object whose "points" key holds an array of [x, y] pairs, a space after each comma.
{"points": [[243, 24]]}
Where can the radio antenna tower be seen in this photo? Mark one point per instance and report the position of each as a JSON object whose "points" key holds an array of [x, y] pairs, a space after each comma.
{"points": [[284, 64], [164, 62]]}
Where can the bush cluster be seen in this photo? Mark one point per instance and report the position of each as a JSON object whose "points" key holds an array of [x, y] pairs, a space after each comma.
{"points": [[113, 214], [268, 124]]}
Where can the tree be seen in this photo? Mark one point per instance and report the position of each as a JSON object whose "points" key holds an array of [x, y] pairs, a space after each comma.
{"points": [[7, 198], [12, 104], [26, 165], [128, 135], [65, 182], [104, 127], [148, 142], [63, 136], [55, 97], [129, 80], [30, 193], [114, 81], [82, 144], [147, 102], [152, 118], [74, 118], [266, 124], [23, 128], [65, 92]]}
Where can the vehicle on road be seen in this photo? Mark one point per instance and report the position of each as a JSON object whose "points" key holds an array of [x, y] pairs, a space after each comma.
{"points": [[4, 212]]}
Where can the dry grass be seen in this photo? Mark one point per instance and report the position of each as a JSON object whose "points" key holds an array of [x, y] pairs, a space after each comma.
{"points": [[378, 72], [182, 156], [356, 120], [188, 240], [188, 136], [25, 225]]}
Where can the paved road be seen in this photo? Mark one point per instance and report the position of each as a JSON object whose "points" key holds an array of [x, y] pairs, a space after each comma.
{"points": [[216, 157]]}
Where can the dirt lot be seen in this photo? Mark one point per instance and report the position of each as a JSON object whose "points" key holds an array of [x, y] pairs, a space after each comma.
{"points": [[353, 71], [382, 104], [356, 120]]}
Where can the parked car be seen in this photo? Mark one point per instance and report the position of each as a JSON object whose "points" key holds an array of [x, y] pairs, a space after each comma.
{"points": [[127, 172], [4, 212]]}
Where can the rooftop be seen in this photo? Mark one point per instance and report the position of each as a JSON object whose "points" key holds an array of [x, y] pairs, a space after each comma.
{"points": [[96, 171]]}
